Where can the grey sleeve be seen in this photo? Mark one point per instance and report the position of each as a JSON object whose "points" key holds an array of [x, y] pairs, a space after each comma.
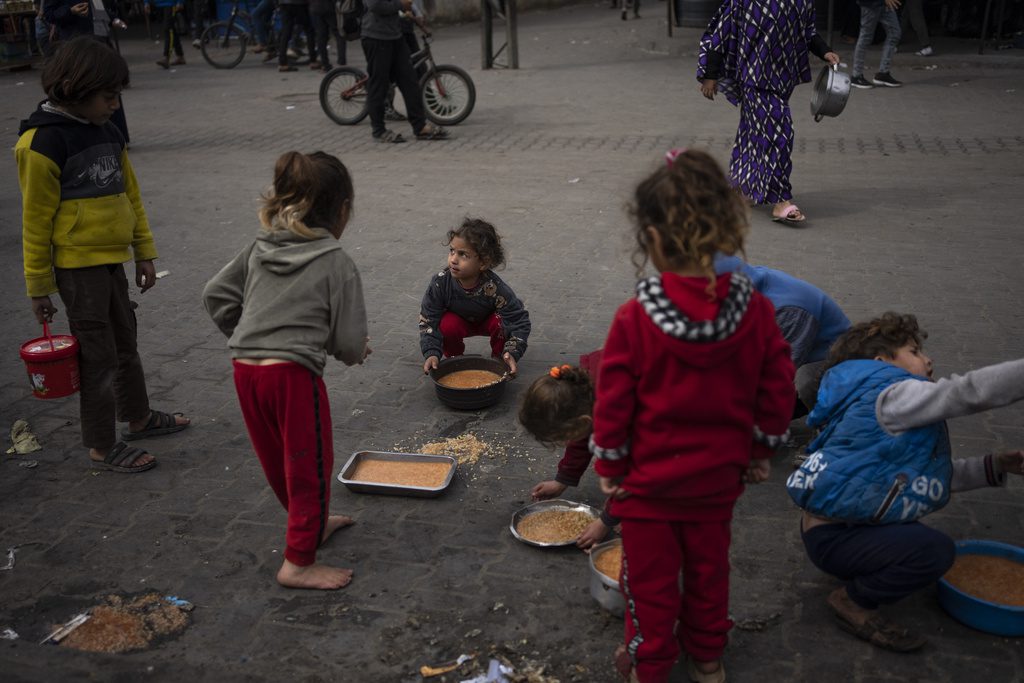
{"points": [[515, 322], [222, 295], [916, 403], [976, 473], [347, 338], [383, 7]]}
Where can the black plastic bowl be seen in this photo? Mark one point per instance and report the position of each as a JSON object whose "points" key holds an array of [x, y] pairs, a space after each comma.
{"points": [[469, 399]]}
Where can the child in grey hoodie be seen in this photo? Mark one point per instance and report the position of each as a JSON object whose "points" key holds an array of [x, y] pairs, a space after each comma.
{"points": [[285, 302]]}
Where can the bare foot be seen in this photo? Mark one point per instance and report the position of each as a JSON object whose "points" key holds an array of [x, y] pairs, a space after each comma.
{"points": [[316, 576], [708, 667], [839, 600], [335, 522]]}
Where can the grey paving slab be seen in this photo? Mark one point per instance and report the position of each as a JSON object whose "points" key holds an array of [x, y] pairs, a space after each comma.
{"points": [[912, 197]]}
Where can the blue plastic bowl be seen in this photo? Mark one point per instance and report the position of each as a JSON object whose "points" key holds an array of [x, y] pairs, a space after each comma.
{"points": [[990, 617]]}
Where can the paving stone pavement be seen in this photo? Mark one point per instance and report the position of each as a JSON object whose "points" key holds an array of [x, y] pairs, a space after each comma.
{"points": [[911, 197]]}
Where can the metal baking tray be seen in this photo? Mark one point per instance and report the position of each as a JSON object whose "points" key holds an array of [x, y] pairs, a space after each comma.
{"points": [[394, 489], [554, 504]]}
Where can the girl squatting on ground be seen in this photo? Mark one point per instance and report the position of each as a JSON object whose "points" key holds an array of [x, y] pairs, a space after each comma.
{"points": [[558, 409], [82, 218], [285, 302], [882, 461], [695, 391], [468, 299]]}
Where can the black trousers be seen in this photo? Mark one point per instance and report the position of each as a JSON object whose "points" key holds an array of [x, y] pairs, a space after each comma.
{"points": [[325, 23], [388, 61], [113, 386], [290, 16], [171, 27]]}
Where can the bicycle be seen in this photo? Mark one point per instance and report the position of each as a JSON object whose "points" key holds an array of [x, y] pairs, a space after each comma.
{"points": [[223, 44], [448, 92]]}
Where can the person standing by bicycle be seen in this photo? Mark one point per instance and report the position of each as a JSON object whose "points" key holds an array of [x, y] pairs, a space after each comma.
{"points": [[292, 12], [172, 13], [388, 59], [325, 23]]}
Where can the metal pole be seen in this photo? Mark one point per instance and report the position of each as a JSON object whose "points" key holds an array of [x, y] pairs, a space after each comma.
{"points": [[511, 34], [670, 4], [486, 45]]}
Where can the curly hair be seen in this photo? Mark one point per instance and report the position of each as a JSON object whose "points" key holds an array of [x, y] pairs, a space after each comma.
{"points": [[309, 190], [882, 336], [483, 239], [695, 211], [556, 409]]}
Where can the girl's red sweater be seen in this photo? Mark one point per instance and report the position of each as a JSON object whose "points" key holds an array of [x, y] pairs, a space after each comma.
{"points": [[679, 420]]}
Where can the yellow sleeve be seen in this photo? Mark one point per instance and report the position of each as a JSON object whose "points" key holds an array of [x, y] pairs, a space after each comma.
{"points": [[39, 179], [142, 241]]}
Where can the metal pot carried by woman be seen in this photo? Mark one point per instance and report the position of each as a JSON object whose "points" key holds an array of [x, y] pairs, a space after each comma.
{"points": [[831, 90]]}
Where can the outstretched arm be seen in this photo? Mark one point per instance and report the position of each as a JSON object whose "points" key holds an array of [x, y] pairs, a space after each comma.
{"points": [[916, 403]]}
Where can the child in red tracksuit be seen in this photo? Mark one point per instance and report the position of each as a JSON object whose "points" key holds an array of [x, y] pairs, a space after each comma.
{"points": [[695, 389], [285, 302], [557, 408]]}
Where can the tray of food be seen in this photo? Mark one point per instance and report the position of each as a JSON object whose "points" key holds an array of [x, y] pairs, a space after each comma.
{"points": [[550, 523], [398, 474]]}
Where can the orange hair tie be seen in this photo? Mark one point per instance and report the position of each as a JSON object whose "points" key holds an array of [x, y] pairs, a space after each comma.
{"points": [[557, 371]]}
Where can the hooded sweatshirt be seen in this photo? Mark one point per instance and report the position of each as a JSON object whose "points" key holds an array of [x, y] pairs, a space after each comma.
{"points": [[81, 205], [292, 298], [690, 389]]}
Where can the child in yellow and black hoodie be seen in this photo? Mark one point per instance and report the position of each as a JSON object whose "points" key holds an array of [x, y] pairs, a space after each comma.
{"points": [[82, 218]]}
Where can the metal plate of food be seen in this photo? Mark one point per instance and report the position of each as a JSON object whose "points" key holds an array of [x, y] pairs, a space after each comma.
{"points": [[552, 523], [398, 474]]}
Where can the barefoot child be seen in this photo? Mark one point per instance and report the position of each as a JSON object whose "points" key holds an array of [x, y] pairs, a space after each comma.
{"points": [[75, 177], [557, 408], [468, 299], [882, 462], [285, 302], [695, 389]]}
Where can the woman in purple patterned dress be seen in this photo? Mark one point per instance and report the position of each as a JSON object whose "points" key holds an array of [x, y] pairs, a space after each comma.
{"points": [[755, 52]]}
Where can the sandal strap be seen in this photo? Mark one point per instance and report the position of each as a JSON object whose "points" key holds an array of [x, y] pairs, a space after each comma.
{"points": [[160, 420], [121, 452]]}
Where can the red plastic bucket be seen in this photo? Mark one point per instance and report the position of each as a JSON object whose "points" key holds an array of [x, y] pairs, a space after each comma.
{"points": [[52, 364]]}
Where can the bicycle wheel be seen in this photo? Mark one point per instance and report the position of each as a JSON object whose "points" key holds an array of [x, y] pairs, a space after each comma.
{"points": [[448, 95], [343, 95], [223, 45]]}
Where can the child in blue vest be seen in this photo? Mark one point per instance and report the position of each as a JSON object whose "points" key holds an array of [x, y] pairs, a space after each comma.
{"points": [[882, 461]]}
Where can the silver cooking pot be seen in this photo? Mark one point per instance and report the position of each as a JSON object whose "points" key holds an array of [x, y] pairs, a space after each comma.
{"points": [[831, 90]]}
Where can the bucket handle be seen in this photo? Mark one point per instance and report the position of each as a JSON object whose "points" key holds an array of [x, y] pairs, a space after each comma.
{"points": [[46, 333]]}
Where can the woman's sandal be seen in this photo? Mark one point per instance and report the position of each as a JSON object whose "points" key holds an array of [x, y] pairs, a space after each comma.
{"points": [[432, 132], [120, 454], [389, 136], [158, 424], [792, 216], [883, 633]]}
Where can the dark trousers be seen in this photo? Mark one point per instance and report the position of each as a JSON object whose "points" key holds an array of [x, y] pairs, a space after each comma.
{"points": [[388, 61], [880, 564], [170, 28], [414, 46], [289, 422], [325, 23], [113, 386], [290, 16]]}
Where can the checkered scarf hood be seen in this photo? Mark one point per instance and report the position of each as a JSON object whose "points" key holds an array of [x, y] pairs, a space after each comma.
{"points": [[670, 320]]}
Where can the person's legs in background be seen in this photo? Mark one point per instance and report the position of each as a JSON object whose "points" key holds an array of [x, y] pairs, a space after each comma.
{"points": [[261, 23], [289, 14], [891, 23]]}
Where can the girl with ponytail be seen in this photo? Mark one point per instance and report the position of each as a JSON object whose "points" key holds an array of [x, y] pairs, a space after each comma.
{"points": [[286, 302]]}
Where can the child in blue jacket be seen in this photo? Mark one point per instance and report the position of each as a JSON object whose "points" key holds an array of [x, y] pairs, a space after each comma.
{"points": [[882, 461]]}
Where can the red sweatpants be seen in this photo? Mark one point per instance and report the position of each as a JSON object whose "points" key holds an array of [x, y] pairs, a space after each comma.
{"points": [[653, 552], [289, 421], [454, 329]]}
